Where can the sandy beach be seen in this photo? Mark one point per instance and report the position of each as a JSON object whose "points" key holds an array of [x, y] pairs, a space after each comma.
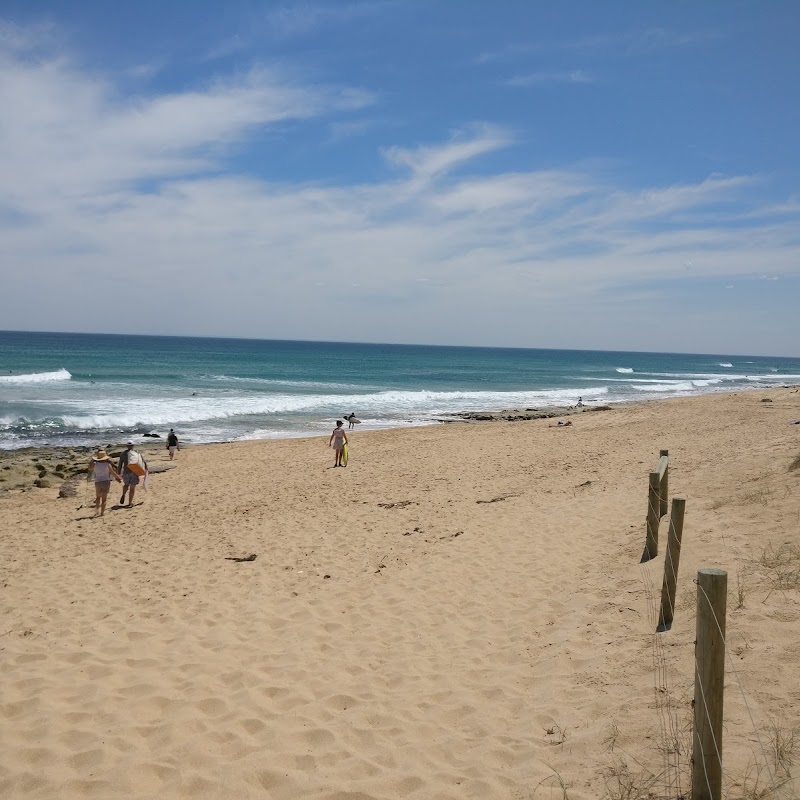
{"points": [[460, 613]]}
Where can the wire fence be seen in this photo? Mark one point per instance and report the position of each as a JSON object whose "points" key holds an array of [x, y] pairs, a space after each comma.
{"points": [[674, 769]]}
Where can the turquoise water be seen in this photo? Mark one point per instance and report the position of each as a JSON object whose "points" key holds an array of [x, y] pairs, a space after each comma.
{"points": [[69, 389]]}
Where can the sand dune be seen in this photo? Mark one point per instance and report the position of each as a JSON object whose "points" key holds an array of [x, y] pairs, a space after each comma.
{"points": [[460, 613]]}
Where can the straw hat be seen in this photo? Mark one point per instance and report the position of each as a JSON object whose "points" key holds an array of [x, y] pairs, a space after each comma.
{"points": [[100, 455]]}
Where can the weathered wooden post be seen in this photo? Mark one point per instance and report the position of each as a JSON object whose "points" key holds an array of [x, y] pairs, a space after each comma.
{"points": [[653, 509], [671, 563], [712, 592], [664, 454]]}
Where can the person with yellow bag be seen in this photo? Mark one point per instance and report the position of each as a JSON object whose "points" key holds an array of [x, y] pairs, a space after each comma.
{"points": [[338, 441]]}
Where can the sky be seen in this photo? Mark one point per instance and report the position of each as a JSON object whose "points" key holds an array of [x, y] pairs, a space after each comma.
{"points": [[619, 175]]}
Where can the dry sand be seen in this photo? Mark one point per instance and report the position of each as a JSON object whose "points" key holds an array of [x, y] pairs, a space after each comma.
{"points": [[460, 613]]}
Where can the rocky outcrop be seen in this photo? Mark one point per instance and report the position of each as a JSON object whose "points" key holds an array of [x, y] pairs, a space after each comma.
{"points": [[520, 414]]}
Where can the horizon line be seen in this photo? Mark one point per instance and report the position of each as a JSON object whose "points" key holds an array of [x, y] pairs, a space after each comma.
{"points": [[397, 344]]}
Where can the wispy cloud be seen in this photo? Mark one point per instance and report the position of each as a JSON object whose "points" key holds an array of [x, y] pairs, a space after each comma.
{"points": [[144, 71], [73, 134], [426, 162], [103, 195], [284, 23], [299, 19], [349, 129], [16, 39], [636, 41], [550, 78], [230, 45]]}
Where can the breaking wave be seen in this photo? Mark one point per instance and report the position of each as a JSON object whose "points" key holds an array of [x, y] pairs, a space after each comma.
{"points": [[37, 377]]}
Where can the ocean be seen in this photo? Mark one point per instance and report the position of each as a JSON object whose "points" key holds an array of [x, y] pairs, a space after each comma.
{"points": [[65, 389]]}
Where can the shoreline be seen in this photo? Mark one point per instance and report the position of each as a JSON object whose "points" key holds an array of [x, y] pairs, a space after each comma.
{"points": [[53, 466]]}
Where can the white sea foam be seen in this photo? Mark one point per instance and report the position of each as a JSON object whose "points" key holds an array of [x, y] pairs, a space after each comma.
{"points": [[269, 433], [725, 364], [632, 380], [723, 376], [774, 378], [672, 386], [153, 413], [331, 386], [706, 382], [624, 369], [37, 377]]}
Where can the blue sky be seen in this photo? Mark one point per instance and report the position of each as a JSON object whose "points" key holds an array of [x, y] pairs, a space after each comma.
{"points": [[618, 175]]}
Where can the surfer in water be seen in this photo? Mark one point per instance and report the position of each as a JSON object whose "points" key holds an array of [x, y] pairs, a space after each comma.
{"points": [[338, 440], [351, 419]]}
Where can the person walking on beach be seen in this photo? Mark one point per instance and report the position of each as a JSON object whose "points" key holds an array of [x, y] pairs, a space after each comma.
{"points": [[338, 440], [351, 419], [102, 470], [172, 443], [130, 479]]}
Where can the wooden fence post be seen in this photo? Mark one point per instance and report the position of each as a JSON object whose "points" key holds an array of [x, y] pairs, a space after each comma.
{"points": [[712, 591], [664, 483], [653, 507], [671, 563]]}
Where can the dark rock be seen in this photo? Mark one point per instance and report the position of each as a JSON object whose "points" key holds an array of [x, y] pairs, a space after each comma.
{"points": [[42, 483], [160, 468], [70, 487]]}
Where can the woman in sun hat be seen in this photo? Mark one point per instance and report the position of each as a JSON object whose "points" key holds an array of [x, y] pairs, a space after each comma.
{"points": [[103, 471]]}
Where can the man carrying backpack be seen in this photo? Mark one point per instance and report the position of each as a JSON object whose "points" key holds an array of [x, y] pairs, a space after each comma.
{"points": [[131, 465], [172, 443]]}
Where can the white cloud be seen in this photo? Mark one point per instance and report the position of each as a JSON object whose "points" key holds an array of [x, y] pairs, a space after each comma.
{"points": [[17, 39], [106, 198], [426, 162], [550, 78], [70, 134], [631, 42], [288, 21]]}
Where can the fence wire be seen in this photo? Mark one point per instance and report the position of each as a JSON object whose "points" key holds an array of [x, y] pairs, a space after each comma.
{"points": [[667, 715]]}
